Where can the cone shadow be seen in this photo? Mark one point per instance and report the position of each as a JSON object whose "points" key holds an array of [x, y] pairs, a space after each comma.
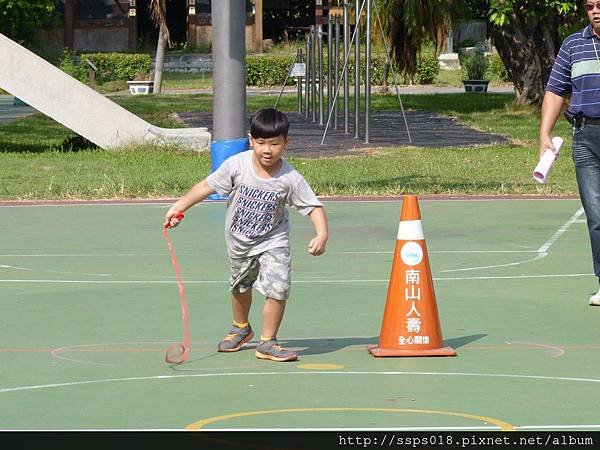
{"points": [[319, 346], [462, 341]]}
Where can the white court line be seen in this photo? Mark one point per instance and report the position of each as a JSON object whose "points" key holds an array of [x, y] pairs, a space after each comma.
{"points": [[110, 255], [170, 201], [312, 281], [315, 281], [251, 374], [5, 266], [88, 255], [434, 251], [546, 245], [495, 266], [542, 252]]}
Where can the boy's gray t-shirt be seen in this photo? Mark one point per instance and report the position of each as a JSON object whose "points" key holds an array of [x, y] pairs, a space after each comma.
{"points": [[257, 217]]}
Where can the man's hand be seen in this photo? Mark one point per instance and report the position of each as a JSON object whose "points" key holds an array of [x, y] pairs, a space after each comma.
{"points": [[546, 144]]}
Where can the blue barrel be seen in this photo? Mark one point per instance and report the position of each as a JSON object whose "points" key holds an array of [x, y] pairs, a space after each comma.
{"points": [[220, 151]]}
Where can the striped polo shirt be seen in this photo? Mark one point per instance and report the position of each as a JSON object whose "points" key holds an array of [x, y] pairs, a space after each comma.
{"points": [[576, 71]]}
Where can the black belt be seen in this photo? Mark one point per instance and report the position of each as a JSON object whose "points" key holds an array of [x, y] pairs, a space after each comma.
{"points": [[579, 121]]}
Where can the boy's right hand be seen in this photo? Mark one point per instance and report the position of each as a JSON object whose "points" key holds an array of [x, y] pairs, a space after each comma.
{"points": [[316, 246], [173, 218]]}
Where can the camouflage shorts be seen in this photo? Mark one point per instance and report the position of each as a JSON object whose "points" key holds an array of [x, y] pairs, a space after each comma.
{"points": [[269, 273]]}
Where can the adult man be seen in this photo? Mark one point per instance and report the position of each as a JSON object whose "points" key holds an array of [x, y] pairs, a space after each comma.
{"points": [[576, 73]]}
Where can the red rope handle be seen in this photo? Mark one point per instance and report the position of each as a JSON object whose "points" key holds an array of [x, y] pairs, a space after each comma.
{"points": [[184, 349]]}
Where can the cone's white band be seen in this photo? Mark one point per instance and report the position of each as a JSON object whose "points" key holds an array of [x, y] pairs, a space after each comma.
{"points": [[410, 230]]}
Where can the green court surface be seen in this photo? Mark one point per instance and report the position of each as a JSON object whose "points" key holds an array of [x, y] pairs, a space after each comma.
{"points": [[89, 303]]}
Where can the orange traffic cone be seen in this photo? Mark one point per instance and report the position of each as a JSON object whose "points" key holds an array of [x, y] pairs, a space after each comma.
{"points": [[411, 325]]}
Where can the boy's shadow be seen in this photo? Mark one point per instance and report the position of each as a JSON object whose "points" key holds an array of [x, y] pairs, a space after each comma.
{"points": [[319, 346]]}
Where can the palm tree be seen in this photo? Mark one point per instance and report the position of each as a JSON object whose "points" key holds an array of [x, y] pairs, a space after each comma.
{"points": [[158, 15]]}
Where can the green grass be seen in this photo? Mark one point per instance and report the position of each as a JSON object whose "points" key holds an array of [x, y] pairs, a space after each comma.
{"points": [[141, 172], [187, 80], [36, 164], [171, 80]]}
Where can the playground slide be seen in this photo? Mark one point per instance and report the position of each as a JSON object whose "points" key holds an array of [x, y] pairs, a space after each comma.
{"points": [[80, 108]]}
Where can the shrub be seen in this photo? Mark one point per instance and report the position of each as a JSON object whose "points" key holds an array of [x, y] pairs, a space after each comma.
{"points": [[271, 69], [496, 68], [119, 66], [475, 64], [111, 66], [268, 70], [428, 69], [377, 69], [68, 62]]}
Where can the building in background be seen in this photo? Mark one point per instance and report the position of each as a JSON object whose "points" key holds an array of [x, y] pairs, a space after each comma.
{"points": [[117, 25]]}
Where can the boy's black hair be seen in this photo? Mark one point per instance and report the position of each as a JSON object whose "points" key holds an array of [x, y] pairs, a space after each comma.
{"points": [[268, 123]]}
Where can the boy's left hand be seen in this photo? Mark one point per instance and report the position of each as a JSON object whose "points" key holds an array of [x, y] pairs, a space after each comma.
{"points": [[316, 246]]}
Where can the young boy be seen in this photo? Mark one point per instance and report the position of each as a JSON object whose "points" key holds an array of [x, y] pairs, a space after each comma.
{"points": [[259, 184]]}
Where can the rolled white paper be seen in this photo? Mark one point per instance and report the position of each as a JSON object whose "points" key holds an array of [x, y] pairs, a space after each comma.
{"points": [[544, 166]]}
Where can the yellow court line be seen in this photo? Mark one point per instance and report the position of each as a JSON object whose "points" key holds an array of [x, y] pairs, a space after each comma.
{"points": [[504, 426]]}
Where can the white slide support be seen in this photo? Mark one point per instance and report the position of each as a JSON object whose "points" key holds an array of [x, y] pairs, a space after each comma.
{"points": [[80, 108]]}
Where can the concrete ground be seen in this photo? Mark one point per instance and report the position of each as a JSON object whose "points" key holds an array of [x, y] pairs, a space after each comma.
{"points": [[387, 129], [9, 112]]}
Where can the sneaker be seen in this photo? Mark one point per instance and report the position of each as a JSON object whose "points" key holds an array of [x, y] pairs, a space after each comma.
{"points": [[273, 351], [595, 299], [235, 339]]}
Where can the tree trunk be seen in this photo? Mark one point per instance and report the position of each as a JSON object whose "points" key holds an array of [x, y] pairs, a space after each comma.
{"points": [[528, 45], [160, 50], [159, 62]]}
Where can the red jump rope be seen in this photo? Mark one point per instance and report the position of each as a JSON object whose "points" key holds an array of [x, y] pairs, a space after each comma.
{"points": [[179, 352]]}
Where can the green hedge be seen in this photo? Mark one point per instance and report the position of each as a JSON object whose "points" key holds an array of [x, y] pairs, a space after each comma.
{"points": [[119, 66], [271, 70], [111, 66], [266, 70]]}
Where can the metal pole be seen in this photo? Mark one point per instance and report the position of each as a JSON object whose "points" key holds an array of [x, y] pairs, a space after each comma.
{"points": [[329, 61], [387, 54], [299, 59], [368, 76], [346, 83], [337, 89], [313, 63], [320, 81], [357, 12], [307, 79], [229, 69], [336, 51], [287, 77]]}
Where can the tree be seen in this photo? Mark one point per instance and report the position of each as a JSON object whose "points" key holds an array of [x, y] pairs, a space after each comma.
{"points": [[527, 35], [415, 22], [20, 18], [158, 14]]}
